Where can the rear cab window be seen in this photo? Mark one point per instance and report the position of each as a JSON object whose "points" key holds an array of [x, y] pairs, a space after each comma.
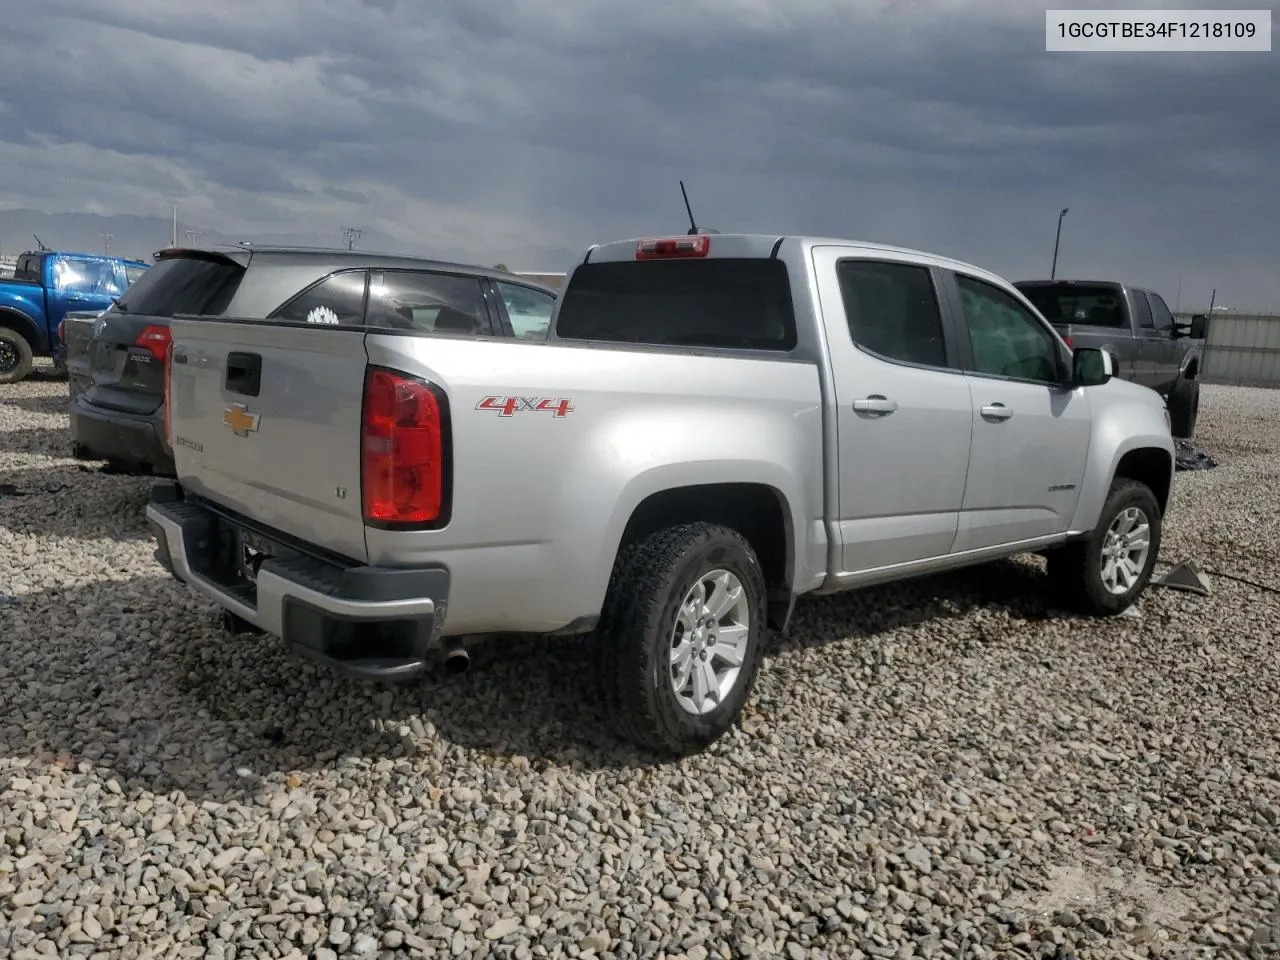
{"points": [[1094, 305], [734, 303], [192, 284]]}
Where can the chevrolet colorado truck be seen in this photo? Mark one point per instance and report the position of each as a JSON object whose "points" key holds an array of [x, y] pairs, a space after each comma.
{"points": [[1147, 343], [45, 286], [714, 426]]}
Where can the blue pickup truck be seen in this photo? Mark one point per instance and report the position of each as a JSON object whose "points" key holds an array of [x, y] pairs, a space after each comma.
{"points": [[46, 285]]}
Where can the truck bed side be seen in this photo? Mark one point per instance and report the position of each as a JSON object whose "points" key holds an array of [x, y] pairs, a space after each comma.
{"points": [[553, 448]]}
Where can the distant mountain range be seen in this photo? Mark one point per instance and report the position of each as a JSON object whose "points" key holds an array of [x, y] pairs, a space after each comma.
{"points": [[140, 237]]}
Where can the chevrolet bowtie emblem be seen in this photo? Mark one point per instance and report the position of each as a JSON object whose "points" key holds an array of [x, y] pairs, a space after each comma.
{"points": [[240, 420]]}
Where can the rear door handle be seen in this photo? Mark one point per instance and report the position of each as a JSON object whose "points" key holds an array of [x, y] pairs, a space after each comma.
{"points": [[996, 411], [244, 373], [876, 403]]}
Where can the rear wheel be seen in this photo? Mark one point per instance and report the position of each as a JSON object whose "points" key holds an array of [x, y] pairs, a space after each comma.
{"points": [[15, 356], [1184, 409], [1103, 574], [681, 636]]}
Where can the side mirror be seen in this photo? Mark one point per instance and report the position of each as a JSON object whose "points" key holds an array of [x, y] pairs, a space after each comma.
{"points": [[1199, 326], [1091, 367]]}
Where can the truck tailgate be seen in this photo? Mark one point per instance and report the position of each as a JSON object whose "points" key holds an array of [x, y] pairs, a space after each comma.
{"points": [[265, 421]]}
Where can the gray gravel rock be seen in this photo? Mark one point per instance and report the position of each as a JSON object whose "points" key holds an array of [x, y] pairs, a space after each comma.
{"points": [[939, 769]]}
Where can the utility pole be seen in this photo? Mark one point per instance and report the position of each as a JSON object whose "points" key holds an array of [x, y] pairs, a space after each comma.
{"points": [[1053, 271], [173, 240], [351, 235], [191, 237], [106, 243], [1178, 303]]}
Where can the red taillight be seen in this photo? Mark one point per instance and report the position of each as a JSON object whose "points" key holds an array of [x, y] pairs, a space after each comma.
{"points": [[673, 247], [154, 339], [168, 391], [1068, 342], [402, 450]]}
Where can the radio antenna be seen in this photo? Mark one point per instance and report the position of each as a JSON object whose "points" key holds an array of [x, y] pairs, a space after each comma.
{"points": [[693, 227]]}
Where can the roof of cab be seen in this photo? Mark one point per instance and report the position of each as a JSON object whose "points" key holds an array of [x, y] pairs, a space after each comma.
{"points": [[767, 245]]}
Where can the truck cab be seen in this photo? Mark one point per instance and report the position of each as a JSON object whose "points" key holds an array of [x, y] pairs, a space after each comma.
{"points": [[46, 285]]}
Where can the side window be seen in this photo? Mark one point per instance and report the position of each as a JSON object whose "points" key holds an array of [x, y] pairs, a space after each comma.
{"points": [[132, 273], [440, 303], [1141, 310], [529, 309], [78, 275], [892, 311], [1161, 312], [337, 299], [1006, 340]]}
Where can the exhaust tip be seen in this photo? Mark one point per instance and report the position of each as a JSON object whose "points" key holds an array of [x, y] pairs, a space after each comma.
{"points": [[457, 661]]}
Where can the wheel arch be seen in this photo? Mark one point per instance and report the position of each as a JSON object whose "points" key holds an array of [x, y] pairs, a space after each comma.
{"points": [[759, 512], [20, 323], [1150, 466]]}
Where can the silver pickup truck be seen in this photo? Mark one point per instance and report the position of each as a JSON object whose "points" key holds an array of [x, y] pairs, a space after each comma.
{"points": [[715, 426]]}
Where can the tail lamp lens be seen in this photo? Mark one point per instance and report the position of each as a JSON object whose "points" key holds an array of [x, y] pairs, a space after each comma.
{"points": [[402, 450], [154, 339]]}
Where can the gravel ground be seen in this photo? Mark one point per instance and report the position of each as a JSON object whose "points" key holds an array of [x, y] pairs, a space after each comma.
{"points": [[946, 769]]}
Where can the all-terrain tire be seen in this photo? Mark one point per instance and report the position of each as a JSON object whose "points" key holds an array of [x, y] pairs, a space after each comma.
{"points": [[1076, 569], [12, 342], [650, 581], [1184, 409]]}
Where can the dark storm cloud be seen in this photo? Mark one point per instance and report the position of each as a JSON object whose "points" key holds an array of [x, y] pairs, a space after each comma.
{"points": [[525, 131]]}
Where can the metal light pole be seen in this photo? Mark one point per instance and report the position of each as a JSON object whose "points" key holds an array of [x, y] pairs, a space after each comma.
{"points": [[106, 242], [1053, 271]]}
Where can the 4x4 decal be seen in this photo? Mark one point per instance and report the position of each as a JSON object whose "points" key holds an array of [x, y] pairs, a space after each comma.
{"points": [[509, 406]]}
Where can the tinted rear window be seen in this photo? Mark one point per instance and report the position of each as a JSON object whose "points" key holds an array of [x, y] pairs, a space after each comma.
{"points": [[188, 285], [1098, 306], [738, 303]]}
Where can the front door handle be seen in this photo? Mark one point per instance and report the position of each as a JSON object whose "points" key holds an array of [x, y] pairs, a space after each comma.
{"points": [[996, 411], [876, 403]]}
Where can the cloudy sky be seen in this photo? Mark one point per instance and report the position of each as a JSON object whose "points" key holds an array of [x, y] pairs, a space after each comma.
{"points": [[523, 131]]}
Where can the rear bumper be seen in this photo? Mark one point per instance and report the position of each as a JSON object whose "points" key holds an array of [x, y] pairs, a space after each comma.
{"points": [[130, 437], [374, 622]]}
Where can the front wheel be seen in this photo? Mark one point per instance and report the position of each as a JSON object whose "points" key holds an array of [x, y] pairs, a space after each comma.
{"points": [[681, 636], [1104, 573], [15, 356], [1184, 409]]}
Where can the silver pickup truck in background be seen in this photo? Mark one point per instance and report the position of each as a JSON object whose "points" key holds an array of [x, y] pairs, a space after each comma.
{"points": [[1148, 344], [716, 426]]}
